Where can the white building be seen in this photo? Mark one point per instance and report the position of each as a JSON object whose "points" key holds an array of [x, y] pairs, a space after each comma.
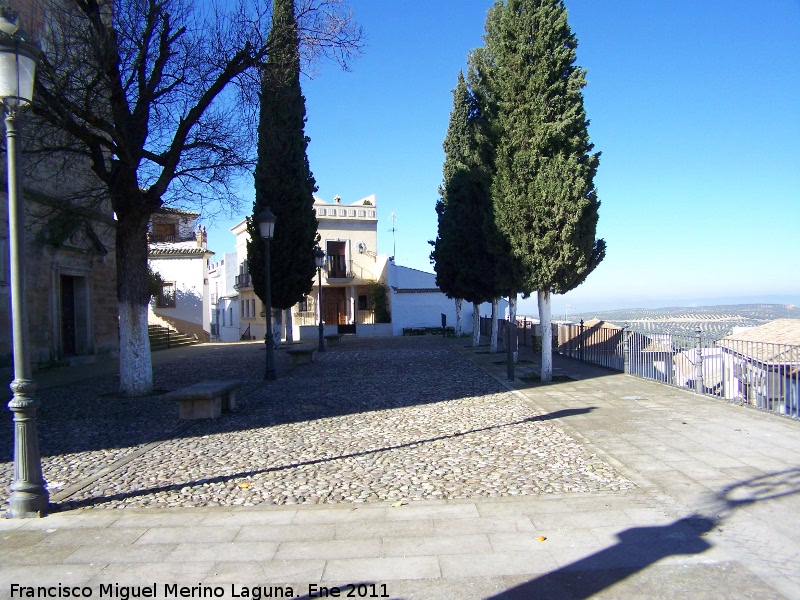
{"points": [[349, 237], [177, 251], [416, 302], [252, 322], [224, 299]]}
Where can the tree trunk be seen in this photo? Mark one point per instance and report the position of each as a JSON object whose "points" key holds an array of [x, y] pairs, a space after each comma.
{"points": [[547, 335], [512, 319], [493, 341], [133, 296], [289, 326], [476, 324], [458, 317], [277, 333]]}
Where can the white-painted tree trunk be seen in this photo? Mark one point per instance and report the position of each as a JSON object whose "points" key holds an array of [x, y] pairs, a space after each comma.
{"points": [[289, 326], [547, 335], [493, 341], [136, 376], [459, 326], [476, 324], [277, 327], [512, 319]]}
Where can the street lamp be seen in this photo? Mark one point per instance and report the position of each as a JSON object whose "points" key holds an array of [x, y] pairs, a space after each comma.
{"points": [[29, 496], [266, 225], [319, 259]]}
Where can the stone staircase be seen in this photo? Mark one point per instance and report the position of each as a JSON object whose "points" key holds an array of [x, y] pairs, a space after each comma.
{"points": [[162, 338]]}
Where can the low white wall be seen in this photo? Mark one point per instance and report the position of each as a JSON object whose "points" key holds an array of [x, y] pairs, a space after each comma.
{"points": [[311, 332], [376, 330]]}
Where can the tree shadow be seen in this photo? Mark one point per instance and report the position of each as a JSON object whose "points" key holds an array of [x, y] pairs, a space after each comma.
{"points": [[561, 414], [640, 547]]}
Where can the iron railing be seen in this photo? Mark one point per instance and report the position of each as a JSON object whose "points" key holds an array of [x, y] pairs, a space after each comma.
{"points": [[305, 317], [365, 317], [758, 374], [243, 281], [170, 239]]}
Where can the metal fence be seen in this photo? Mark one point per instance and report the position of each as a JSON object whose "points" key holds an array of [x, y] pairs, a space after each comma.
{"points": [[758, 374]]}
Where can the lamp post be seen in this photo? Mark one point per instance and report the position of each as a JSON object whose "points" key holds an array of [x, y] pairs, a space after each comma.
{"points": [[29, 496], [319, 259], [266, 226]]}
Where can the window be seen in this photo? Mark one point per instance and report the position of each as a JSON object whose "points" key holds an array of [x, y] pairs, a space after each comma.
{"points": [[362, 302], [166, 297], [230, 315], [304, 304], [253, 307], [165, 232], [321, 212], [244, 309]]}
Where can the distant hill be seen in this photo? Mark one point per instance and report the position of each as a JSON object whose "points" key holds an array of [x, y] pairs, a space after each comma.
{"points": [[716, 321]]}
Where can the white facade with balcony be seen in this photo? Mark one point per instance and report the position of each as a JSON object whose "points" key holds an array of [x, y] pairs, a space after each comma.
{"points": [[252, 316], [349, 237], [224, 299]]}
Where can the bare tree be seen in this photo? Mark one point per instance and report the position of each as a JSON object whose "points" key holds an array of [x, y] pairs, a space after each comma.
{"points": [[160, 98]]}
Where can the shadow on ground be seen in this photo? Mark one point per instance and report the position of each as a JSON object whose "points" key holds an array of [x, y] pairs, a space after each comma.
{"points": [[641, 547]]}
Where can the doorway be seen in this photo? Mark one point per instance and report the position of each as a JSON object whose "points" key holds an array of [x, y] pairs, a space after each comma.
{"points": [[334, 306], [68, 342], [74, 316]]}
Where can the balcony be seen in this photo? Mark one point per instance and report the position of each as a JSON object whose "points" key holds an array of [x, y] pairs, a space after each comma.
{"points": [[169, 239], [243, 282], [339, 269]]}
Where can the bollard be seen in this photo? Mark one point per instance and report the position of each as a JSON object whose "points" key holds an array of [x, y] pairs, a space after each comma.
{"points": [[698, 366], [626, 352]]}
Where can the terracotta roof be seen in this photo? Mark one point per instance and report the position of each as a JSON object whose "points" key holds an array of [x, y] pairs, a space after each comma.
{"points": [[779, 331], [175, 211], [656, 346], [776, 342], [595, 322], [178, 252]]}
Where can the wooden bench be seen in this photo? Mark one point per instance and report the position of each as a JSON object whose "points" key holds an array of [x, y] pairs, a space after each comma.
{"points": [[206, 400], [333, 339], [301, 355]]}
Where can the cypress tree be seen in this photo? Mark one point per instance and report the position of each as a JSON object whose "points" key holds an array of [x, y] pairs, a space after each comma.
{"points": [[464, 267], [283, 179], [543, 192]]}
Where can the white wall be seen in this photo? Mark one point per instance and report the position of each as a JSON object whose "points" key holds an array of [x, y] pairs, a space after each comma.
{"points": [[424, 309], [188, 275]]}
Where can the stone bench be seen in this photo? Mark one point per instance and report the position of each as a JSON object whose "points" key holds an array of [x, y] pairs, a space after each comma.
{"points": [[333, 339], [301, 355], [205, 400]]}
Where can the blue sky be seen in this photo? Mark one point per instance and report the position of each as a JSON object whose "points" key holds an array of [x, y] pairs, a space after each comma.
{"points": [[694, 107]]}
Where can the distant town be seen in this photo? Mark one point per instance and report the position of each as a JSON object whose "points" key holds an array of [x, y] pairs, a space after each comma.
{"points": [[716, 321]]}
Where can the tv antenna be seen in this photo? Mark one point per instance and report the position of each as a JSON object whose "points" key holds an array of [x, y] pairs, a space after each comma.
{"points": [[394, 243]]}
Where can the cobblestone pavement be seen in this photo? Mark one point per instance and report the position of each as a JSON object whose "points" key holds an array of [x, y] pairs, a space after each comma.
{"points": [[371, 420]]}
